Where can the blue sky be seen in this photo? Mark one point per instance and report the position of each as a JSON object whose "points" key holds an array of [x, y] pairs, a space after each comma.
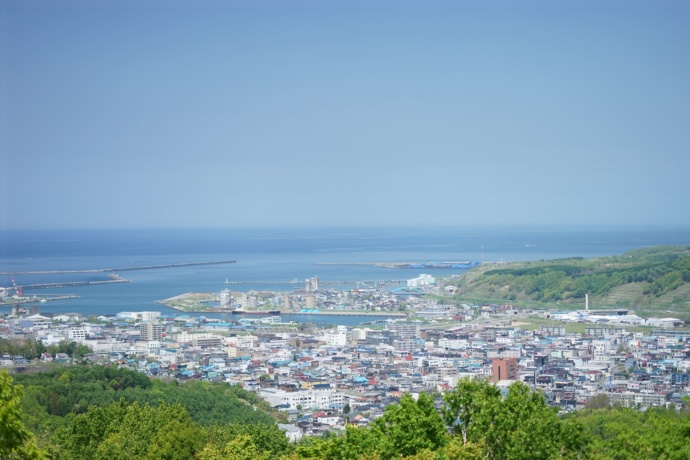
{"points": [[235, 114]]}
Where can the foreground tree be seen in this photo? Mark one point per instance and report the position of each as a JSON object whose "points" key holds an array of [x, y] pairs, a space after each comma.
{"points": [[410, 427], [621, 433], [519, 426], [600, 401], [16, 442], [122, 431]]}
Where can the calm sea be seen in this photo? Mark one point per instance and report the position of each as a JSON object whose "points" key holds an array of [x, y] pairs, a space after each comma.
{"points": [[278, 255]]}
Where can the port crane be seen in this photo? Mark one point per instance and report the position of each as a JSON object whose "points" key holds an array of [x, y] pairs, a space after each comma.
{"points": [[17, 290]]}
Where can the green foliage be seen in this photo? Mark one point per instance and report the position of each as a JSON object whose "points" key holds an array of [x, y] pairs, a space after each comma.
{"points": [[519, 426], [16, 442], [627, 434], [240, 448], [660, 271], [406, 429], [354, 445], [50, 396], [600, 401], [125, 431], [419, 417], [121, 431], [483, 424], [268, 439], [477, 421], [32, 349]]}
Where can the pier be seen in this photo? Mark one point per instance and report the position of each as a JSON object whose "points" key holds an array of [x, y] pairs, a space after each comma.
{"points": [[120, 269]]}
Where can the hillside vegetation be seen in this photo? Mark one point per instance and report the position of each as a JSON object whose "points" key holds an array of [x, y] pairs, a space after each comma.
{"points": [[51, 398], [653, 278]]}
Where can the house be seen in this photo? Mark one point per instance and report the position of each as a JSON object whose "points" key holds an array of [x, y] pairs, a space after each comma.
{"points": [[293, 433]]}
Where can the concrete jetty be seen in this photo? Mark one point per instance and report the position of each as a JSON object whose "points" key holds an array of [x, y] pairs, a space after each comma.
{"points": [[28, 287], [120, 269]]}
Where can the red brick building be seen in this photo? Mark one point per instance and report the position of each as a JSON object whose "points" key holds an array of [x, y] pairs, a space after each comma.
{"points": [[504, 369]]}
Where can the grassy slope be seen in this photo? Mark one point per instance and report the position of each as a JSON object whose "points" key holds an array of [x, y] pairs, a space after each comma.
{"points": [[642, 279]]}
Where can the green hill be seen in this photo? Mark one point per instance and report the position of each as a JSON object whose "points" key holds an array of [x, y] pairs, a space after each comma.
{"points": [[651, 278], [51, 397]]}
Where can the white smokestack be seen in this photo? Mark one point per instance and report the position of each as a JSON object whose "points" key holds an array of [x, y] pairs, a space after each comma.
{"points": [[587, 302]]}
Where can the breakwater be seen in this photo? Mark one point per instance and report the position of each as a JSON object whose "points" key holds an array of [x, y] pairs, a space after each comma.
{"points": [[28, 287], [120, 269]]}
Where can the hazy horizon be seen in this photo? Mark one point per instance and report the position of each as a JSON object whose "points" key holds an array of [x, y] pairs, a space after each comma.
{"points": [[155, 115]]}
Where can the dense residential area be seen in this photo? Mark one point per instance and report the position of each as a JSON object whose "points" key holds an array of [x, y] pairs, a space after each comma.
{"points": [[436, 379], [323, 378]]}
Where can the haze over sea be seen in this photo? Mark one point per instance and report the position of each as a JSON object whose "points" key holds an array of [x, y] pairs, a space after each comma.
{"points": [[279, 255]]}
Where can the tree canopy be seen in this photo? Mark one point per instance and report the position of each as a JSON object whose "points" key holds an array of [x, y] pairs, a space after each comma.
{"points": [[16, 442]]}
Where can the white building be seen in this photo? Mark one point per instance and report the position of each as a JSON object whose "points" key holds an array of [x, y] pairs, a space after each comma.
{"points": [[200, 340], [335, 339], [305, 399], [77, 334], [293, 433], [242, 341], [421, 281], [139, 315]]}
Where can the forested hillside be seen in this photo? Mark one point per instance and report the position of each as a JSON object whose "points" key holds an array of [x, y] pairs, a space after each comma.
{"points": [[51, 396], [653, 278]]}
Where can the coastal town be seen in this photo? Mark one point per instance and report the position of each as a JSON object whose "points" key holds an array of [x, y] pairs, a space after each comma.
{"points": [[324, 377]]}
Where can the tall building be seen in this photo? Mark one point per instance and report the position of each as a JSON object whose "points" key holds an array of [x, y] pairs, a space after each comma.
{"points": [[404, 330], [359, 334], [311, 284], [504, 369], [225, 298], [310, 301], [150, 331]]}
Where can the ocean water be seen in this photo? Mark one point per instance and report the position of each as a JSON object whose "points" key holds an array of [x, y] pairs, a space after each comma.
{"points": [[278, 255]]}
